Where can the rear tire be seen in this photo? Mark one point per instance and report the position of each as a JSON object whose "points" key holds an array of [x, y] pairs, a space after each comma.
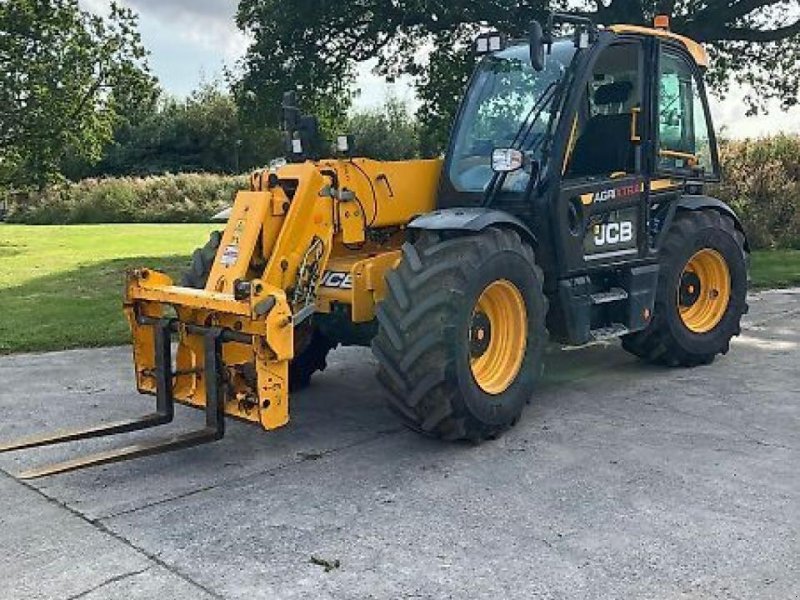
{"points": [[314, 348], [313, 357], [680, 335], [201, 263], [439, 336]]}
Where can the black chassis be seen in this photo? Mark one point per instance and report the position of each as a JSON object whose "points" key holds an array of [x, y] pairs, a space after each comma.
{"points": [[591, 296]]}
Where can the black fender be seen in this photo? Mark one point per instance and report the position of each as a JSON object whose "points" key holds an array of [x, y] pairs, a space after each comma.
{"points": [[699, 202], [471, 219]]}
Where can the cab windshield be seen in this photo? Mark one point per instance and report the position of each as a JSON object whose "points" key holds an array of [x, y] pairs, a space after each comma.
{"points": [[509, 104]]}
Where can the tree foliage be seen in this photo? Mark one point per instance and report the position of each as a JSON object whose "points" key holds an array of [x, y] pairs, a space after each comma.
{"points": [[316, 43], [67, 77], [388, 132], [273, 64], [201, 133]]}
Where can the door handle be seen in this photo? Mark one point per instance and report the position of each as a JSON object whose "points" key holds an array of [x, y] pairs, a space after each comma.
{"points": [[635, 112]]}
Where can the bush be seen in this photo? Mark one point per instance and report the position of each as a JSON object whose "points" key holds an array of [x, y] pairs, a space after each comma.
{"points": [[761, 181], [181, 198]]}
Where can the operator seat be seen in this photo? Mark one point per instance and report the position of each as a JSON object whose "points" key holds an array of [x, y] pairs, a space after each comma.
{"points": [[605, 145]]}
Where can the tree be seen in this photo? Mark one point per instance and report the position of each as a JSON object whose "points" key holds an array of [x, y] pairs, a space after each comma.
{"points": [[200, 133], [67, 77], [273, 64], [317, 42], [385, 133]]}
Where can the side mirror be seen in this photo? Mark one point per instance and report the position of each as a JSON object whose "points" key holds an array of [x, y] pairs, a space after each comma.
{"points": [[507, 160], [536, 40]]}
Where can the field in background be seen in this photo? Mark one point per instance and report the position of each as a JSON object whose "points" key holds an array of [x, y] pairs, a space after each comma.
{"points": [[61, 287]]}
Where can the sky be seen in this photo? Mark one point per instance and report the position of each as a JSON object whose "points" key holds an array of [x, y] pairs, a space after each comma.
{"points": [[192, 41]]}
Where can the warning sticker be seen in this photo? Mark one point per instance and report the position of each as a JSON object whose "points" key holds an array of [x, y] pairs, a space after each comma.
{"points": [[230, 255]]}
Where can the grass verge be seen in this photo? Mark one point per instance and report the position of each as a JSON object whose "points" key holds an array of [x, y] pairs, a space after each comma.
{"points": [[61, 286], [775, 268]]}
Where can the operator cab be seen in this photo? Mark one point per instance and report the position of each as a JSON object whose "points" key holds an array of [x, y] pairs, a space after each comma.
{"points": [[598, 94], [590, 147]]}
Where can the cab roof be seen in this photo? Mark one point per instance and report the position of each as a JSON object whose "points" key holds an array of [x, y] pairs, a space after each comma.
{"points": [[697, 51]]}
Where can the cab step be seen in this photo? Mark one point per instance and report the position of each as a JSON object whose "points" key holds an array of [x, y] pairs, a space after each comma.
{"points": [[614, 330], [613, 295]]}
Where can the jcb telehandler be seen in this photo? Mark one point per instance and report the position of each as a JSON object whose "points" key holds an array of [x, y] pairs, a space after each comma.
{"points": [[570, 206]]}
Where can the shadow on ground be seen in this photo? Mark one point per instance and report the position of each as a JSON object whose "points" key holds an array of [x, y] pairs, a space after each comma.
{"points": [[77, 308]]}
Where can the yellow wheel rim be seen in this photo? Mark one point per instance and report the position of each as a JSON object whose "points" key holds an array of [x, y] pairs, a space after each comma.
{"points": [[704, 291], [498, 336]]}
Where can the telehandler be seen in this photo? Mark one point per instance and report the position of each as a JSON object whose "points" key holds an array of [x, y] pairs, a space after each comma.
{"points": [[570, 206]]}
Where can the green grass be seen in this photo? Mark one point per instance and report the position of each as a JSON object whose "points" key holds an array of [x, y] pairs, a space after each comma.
{"points": [[61, 286], [775, 268]]}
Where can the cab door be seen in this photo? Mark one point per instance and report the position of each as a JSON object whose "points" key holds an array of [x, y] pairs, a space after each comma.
{"points": [[686, 147], [684, 155], [600, 213]]}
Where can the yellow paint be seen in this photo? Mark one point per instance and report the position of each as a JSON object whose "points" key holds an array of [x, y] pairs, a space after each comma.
{"points": [[310, 215], [352, 217], [273, 378], [697, 51], [691, 159], [273, 222], [573, 133], [401, 189], [238, 241], [498, 366], [369, 285], [635, 112], [715, 291], [664, 184], [367, 273]]}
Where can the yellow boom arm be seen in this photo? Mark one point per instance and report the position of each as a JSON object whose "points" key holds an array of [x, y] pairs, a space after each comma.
{"points": [[297, 243]]}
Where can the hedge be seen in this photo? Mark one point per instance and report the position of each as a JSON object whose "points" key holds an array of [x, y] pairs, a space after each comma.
{"points": [[183, 198], [761, 180]]}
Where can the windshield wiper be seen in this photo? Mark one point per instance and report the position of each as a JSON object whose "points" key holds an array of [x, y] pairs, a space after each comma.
{"points": [[498, 180]]}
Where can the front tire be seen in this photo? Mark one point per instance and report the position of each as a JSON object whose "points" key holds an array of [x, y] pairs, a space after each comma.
{"points": [[461, 333], [701, 295]]}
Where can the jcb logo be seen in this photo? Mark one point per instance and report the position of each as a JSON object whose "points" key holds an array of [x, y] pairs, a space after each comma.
{"points": [[337, 279], [613, 233]]}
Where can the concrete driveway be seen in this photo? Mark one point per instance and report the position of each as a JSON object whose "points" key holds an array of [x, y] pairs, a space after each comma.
{"points": [[621, 481]]}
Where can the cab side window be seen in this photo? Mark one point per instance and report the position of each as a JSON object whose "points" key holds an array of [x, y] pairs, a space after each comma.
{"points": [[683, 129]]}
